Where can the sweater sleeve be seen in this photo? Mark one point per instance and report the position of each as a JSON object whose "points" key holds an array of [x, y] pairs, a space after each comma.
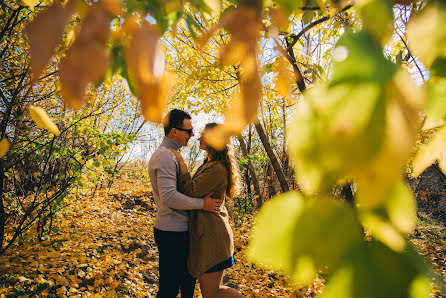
{"points": [[204, 182], [167, 186]]}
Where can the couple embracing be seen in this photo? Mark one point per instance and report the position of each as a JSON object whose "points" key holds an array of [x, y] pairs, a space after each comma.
{"points": [[192, 230]]}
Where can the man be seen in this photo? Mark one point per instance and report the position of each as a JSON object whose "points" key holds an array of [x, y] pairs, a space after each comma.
{"points": [[171, 222]]}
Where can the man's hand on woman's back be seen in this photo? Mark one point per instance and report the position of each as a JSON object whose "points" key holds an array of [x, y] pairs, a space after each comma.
{"points": [[211, 204]]}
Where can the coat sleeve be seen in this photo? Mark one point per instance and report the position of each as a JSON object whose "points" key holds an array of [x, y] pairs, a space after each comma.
{"points": [[204, 183]]}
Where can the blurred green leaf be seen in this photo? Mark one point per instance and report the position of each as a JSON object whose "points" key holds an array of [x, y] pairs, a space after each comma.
{"points": [[438, 68], [274, 231], [314, 236], [268, 67], [325, 231], [133, 5], [394, 217], [358, 58], [308, 16], [402, 208], [373, 270], [430, 152], [377, 16], [290, 5], [326, 131], [436, 106], [427, 34]]}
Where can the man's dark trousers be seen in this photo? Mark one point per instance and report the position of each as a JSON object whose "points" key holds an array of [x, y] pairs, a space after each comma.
{"points": [[173, 248]]}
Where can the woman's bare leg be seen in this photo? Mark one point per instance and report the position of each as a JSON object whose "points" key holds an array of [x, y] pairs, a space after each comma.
{"points": [[211, 286]]}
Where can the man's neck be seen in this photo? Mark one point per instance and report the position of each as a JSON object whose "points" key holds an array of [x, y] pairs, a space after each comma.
{"points": [[170, 143]]}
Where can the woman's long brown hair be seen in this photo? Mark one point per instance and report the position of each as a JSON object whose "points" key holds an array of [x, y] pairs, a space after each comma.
{"points": [[227, 157]]}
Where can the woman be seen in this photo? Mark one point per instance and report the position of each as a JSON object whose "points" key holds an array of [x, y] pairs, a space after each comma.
{"points": [[211, 241]]}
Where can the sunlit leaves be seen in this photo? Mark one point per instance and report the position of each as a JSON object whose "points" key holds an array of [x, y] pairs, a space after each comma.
{"points": [[308, 16], [395, 218], [326, 127], [427, 34], [87, 59], [398, 274], [241, 51], [354, 127], [436, 107], [30, 3], [402, 208], [213, 7], [279, 21], [290, 5], [427, 38], [145, 62], [267, 238], [325, 231], [358, 58], [308, 241], [45, 33], [377, 16], [360, 125], [284, 78], [430, 152], [366, 118], [41, 118]]}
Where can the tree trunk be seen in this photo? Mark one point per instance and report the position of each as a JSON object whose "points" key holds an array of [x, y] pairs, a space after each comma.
{"points": [[347, 193], [254, 179], [269, 178], [2, 210], [272, 157]]}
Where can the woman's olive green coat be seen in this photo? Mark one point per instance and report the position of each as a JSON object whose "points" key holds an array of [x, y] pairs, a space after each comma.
{"points": [[211, 239]]}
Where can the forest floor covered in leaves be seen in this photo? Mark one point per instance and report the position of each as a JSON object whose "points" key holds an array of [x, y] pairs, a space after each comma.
{"points": [[103, 245]]}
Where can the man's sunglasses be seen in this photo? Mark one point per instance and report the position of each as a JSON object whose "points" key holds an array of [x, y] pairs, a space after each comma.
{"points": [[189, 131]]}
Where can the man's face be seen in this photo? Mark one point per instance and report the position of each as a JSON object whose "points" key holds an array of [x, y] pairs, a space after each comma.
{"points": [[181, 136]]}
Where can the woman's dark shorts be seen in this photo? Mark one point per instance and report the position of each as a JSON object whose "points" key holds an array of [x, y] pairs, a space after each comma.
{"points": [[223, 265]]}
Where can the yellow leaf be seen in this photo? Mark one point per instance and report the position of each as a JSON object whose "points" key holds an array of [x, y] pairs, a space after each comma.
{"points": [[426, 33], [113, 6], [128, 27], [154, 96], [61, 291], [4, 147], [279, 19], [242, 49], [146, 65], [284, 78], [98, 282], [144, 56], [305, 270], [30, 3], [41, 280], [44, 34], [41, 118], [23, 279], [87, 59], [114, 284], [384, 231], [430, 152], [420, 287]]}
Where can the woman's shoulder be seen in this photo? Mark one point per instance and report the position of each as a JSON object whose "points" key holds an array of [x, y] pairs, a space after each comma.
{"points": [[214, 169], [215, 165]]}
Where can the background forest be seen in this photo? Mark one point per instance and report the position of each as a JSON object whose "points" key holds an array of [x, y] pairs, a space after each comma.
{"points": [[336, 109]]}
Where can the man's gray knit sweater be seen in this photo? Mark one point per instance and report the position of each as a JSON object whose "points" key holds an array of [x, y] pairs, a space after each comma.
{"points": [[172, 205]]}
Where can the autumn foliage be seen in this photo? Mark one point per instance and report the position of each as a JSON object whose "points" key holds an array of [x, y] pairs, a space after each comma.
{"points": [[320, 95]]}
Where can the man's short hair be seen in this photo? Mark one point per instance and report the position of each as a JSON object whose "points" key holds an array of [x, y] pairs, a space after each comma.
{"points": [[173, 119]]}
